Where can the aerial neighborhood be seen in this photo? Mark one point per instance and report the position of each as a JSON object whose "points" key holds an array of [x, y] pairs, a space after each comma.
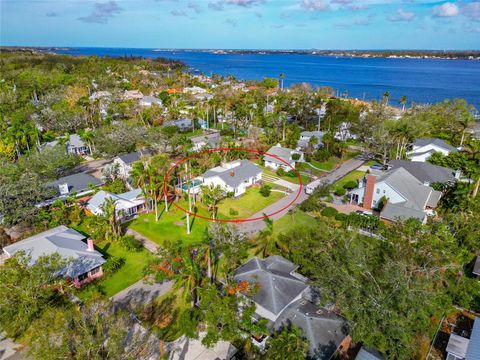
{"points": [[151, 211]]}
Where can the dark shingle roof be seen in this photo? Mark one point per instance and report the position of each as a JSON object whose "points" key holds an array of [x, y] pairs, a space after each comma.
{"points": [[130, 157], [425, 172], [77, 182], [276, 286], [323, 329]]}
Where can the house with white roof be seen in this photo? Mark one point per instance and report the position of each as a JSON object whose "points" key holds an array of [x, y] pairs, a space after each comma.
{"points": [[235, 177], [406, 196], [284, 297], [127, 205], [148, 101], [282, 158], [422, 149], [85, 262]]}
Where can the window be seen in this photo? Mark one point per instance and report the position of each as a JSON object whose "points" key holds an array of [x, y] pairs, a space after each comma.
{"points": [[94, 271], [82, 277], [384, 191], [378, 191], [374, 202]]}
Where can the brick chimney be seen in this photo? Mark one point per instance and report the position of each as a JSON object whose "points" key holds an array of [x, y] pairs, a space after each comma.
{"points": [[232, 173], [369, 189], [90, 245]]}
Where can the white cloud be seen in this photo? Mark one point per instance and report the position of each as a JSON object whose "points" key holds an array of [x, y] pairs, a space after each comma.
{"points": [[472, 11], [446, 10], [402, 16]]}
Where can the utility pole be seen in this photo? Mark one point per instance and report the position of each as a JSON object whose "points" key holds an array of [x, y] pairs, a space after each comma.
{"points": [[319, 117]]}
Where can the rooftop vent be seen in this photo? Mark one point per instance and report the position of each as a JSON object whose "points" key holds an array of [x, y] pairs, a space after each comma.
{"points": [[63, 188]]}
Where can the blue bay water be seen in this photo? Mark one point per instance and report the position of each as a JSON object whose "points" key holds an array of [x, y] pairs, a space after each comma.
{"points": [[420, 80]]}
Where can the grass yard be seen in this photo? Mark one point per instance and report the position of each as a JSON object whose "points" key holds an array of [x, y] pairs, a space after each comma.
{"points": [[326, 165], [305, 179], [296, 219], [354, 175], [128, 274]]}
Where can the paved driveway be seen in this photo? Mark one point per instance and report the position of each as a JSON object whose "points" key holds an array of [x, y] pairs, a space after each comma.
{"points": [[141, 293], [255, 226]]}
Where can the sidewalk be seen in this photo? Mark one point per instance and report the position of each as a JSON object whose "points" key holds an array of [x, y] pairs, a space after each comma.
{"points": [[147, 243]]}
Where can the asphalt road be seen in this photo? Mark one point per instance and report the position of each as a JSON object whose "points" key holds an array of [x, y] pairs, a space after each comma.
{"points": [[255, 226]]}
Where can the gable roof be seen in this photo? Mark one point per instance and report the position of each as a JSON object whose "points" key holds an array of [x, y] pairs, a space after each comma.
{"points": [[64, 241], [323, 329], [281, 152], [130, 158], [98, 200], [211, 138], [77, 183], [425, 172], [277, 286], [75, 141], [243, 171], [473, 352], [438, 142]]}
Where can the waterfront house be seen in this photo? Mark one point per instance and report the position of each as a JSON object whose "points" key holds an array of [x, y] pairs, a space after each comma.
{"points": [[235, 177], [127, 205], [284, 298], [289, 157], [422, 149], [86, 263]]}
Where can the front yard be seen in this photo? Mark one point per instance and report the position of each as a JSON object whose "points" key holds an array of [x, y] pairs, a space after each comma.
{"points": [[355, 175], [172, 225]]}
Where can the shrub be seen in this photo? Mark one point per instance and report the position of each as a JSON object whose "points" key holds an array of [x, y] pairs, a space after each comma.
{"points": [[322, 154], [230, 194], [233, 212], [280, 171], [295, 156], [130, 243], [340, 191], [113, 264], [329, 212], [265, 190], [349, 185], [341, 217]]}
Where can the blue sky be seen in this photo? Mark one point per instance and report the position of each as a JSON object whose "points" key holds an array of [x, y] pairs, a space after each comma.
{"points": [[255, 24]]}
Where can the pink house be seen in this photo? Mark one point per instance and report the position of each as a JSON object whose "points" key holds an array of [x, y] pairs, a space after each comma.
{"points": [[85, 263]]}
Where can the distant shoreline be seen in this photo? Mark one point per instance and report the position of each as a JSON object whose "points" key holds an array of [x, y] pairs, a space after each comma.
{"points": [[386, 54]]}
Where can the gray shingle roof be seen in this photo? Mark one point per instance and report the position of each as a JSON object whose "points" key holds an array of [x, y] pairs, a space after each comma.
{"points": [[395, 212], [368, 354], [98, 200], [212, 138], [242, 172], [130, 157], [473, 352], [64, 241], [437, 142], [75, 141], [425, 172], [281, 152], [277, 287], [323, 329], [77, 182]]}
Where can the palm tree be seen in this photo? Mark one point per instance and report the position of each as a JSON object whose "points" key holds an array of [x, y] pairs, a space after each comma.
{"points": [[403, 102], [188, 277], [266, 240], [211, 196], [386, 96], [472, 149], [110, 215], [289, 344]]}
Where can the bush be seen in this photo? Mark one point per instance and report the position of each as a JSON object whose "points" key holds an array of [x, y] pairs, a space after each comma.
{"points": [[341, 217], [329, 212], [295, 156], [349, 185], [280, 171], [130, 243], [230, 194], [322, 154], [233, 212], [265, 190], [113, 264], [340, 191]]}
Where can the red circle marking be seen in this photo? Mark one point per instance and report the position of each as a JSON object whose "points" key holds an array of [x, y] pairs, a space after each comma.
{"points": [[231, 220]]}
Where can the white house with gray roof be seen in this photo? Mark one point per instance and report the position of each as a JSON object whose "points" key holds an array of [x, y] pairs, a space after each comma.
{"points": [[282, 158], [77, 185], [206, 140], [127, 205], [422, 149], [425, 172], [235, 177], [306, 138], [125, 163], [86, 262], [406, 196], [283, 297], [77, 146]]}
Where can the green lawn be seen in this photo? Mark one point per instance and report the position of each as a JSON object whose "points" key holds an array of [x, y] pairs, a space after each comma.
{"points": [[171, 225], [326, 165], [294, 179], [290, 221], [128, 274], [354, 175]]}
